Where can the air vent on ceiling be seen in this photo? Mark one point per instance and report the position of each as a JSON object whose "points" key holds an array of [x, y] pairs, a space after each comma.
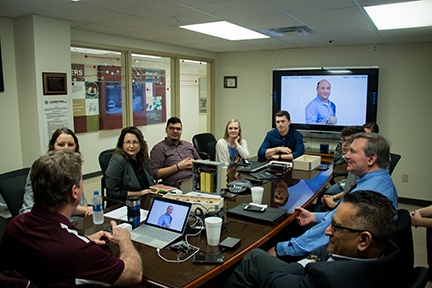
{"points": [[291, 31]]}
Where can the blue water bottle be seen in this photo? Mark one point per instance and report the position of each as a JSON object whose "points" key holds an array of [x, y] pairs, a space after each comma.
{"points": [[133, 206]]}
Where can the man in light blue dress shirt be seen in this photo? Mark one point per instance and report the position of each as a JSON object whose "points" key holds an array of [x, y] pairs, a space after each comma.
{"points": [[368, 157], [321, 110], [166, 219]]}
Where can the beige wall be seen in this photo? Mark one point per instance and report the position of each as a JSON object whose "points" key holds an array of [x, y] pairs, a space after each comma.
{"points": [[10, 140], [404, 100]]}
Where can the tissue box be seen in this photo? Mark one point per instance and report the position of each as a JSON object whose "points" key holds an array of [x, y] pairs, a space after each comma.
{"points": [[306, 162]]}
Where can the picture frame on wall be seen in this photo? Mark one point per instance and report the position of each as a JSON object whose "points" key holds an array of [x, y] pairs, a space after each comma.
{"points": [[230, 81], [54, 83]]}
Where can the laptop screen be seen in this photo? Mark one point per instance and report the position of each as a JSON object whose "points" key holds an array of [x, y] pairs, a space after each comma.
{"points": [[168, 213]]}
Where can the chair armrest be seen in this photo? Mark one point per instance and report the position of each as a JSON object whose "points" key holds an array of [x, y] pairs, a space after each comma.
{"points": [[112, 200], [338, 174]]}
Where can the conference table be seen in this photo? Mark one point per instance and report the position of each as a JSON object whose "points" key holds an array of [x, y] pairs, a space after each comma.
{"points": [[286, 190]]}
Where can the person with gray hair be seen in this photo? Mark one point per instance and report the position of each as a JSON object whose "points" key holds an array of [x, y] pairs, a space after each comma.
{"points": [[367, 157], [359, 244], [64, 256], [376, 145], [328, 199]]}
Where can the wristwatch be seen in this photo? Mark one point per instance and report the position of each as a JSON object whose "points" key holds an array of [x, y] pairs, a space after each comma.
{"points": [[280, 156], [313, 258]]}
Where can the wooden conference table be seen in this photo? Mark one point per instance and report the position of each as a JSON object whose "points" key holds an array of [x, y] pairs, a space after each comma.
{"points": [[290, 189]]}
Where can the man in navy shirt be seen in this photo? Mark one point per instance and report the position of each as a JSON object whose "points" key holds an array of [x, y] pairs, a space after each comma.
{"points": [[283, 142]]}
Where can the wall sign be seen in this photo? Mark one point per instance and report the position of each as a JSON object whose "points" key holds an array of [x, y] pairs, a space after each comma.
{"points": [[54, 83], [230, 81]]}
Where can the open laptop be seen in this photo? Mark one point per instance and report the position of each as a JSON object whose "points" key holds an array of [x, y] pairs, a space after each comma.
{"points": [[166, 221], [254, 167]]}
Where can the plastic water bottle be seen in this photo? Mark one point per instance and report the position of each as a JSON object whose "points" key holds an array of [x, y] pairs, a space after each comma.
{"points": [[98, 217]]}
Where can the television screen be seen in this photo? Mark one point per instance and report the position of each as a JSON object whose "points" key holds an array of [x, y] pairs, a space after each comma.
{"points": [[326, 99]]}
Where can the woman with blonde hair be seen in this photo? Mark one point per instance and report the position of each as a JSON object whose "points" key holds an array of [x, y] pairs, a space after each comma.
{"points": [[232, 148]]}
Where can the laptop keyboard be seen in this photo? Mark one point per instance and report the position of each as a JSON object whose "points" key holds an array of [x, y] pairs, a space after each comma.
{"points": [[156, 233], [263, 175]]}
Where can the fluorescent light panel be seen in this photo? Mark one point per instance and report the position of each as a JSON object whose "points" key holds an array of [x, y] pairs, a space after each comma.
{"points": [[401, 15], [225, 30], [92, 51]]}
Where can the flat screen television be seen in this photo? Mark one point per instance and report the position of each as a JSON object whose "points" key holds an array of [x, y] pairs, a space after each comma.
{"points": [[353, 93]]}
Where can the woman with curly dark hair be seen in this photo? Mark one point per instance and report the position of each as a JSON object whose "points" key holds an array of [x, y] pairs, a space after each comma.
{"points": [[128, 171]]}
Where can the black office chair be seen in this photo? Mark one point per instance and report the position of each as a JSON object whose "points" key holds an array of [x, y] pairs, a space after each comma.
{"points": [[104, 159], [403, 238], [394, 159], [212, 150], [414, 277], [201, 141], [12, 189]]}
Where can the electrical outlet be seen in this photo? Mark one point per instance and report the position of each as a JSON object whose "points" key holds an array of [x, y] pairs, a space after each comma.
{"points": [[405, 178]]}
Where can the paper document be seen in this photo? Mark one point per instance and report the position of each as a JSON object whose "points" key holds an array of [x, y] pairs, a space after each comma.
{"points": [[121, 214]]}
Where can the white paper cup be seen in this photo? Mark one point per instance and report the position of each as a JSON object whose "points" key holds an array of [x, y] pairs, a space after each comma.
{"points": [[257, 194], [213, 230]]}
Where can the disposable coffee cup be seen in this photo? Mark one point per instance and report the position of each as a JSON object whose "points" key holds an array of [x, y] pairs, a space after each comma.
{"points": [[213, 227], [257, 194]]}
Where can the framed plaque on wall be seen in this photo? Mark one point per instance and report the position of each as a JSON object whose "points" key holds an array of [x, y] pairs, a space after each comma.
{"points": [[54, 83], [230, 81]]}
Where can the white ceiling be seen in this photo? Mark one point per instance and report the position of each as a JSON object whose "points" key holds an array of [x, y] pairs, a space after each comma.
{"points": [[335, 22]]}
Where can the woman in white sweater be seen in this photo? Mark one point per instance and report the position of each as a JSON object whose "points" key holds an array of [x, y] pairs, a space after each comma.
{"points": [[232, 148]]}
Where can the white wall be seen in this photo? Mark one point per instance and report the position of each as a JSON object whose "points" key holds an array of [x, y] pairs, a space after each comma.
{"points": [[10, 141], [41, 45], [404, 100]]}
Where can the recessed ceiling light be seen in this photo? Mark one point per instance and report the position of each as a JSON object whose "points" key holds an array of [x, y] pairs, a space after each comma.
{"points": [[225, 30], [401, 15]]}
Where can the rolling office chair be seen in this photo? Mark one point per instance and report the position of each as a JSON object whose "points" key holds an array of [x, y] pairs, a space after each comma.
{"points": [[414, 277], [104, 159], [394, 159], [205, 144], [12, 189]]}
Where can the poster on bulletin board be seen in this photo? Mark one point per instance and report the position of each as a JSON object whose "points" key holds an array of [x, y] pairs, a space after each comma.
{"points": [[85, 95]]}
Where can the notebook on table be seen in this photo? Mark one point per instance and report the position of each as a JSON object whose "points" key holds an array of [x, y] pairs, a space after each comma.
{"points": [[255, 166], [161, 226]]}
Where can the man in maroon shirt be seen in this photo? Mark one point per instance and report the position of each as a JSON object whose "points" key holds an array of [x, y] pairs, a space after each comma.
{"points": [[172, 158], [44, 246]]}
